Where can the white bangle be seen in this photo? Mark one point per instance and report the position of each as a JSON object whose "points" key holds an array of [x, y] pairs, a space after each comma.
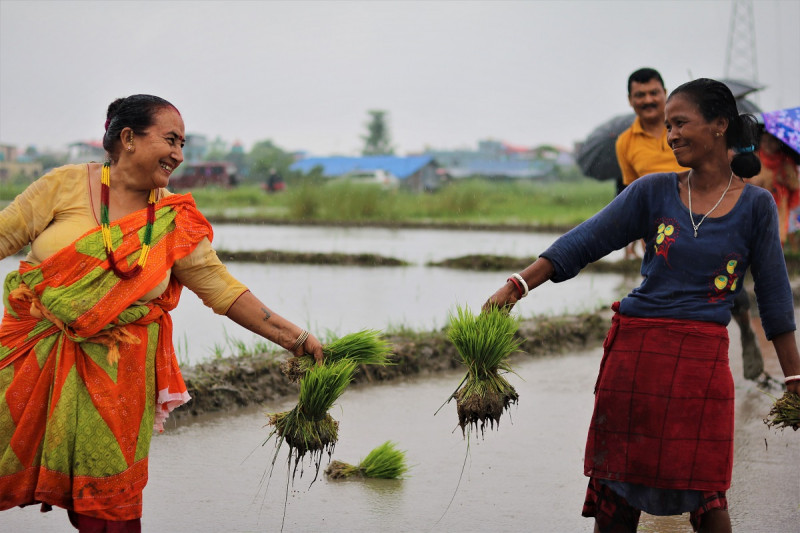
{"points": [[521, 280], [787, 379]]}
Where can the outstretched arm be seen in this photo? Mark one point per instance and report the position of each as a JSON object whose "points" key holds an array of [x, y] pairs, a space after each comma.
{"points": [[250, 313], [534, 275]]}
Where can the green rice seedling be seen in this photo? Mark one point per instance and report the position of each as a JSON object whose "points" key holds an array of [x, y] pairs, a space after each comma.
{"points": [[366, 347], [308, 428], [785, 412], [383, 462], [484, 343]]}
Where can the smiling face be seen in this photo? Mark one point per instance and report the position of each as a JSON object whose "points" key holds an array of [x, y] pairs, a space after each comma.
{"points": [[647, 100], [159, 151], [690, 136]]}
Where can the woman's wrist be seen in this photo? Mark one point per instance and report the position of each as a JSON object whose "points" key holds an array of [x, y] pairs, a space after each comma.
{"points": [[300, 341], [519, 283]]}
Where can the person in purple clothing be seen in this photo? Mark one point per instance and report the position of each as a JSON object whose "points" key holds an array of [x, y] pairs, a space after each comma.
{"points": [[661, 435]]}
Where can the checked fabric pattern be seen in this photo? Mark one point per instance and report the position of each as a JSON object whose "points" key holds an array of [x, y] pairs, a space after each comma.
{"points": [[664, 404]]}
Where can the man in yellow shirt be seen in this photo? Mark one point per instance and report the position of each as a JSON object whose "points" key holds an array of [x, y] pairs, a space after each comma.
{"points": [[642, 148]]}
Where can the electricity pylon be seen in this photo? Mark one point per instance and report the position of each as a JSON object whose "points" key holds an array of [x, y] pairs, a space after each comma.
{"points": [[740, 60]]}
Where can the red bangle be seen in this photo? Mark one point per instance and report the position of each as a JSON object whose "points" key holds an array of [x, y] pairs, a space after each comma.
{"points": [[517, 285]]}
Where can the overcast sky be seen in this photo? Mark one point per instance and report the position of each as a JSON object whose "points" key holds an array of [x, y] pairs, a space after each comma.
{"points": [[304, 74]]}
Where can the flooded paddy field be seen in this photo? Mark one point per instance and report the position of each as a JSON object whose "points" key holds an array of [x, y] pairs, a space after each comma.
{"points": [[342, 299], [209, 473]]}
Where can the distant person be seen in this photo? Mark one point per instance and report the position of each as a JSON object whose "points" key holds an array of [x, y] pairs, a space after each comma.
{"points": [[87, 364], [779, 176], [643, 149], [661, 436], [275, 181]]}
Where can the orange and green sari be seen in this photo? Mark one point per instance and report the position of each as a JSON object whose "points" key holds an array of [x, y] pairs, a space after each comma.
{"points": [[87, 372]]}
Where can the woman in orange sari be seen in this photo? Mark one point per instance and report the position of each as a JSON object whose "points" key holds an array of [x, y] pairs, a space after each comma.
{"points": [[87, 364]]}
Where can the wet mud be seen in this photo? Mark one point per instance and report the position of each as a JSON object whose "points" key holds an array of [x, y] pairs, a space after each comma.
{"points": [[309, 258]]}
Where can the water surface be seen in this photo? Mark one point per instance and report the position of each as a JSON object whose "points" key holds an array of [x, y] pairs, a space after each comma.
{"points": [[208, 474], [337, 300]]}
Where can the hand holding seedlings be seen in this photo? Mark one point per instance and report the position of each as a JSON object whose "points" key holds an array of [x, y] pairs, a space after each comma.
{"points": [[484, 343], [366, 347]]}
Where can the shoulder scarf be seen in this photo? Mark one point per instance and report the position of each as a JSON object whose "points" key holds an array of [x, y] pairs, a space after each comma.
{"points": [[86, 373]]}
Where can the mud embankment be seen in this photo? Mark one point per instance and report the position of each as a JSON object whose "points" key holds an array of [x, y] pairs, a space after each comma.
{"points": [[309, 258], [227, 383], [387, 224], [477, 262]]}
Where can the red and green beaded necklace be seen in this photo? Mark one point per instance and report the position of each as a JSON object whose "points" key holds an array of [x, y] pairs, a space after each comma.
{"points": [[105, 229]]}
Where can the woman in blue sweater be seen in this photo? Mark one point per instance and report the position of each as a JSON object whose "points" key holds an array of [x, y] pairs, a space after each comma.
{"points": [[661, 436]]}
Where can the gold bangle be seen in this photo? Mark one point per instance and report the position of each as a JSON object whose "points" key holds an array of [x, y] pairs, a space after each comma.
{"points": [[300, 341]]}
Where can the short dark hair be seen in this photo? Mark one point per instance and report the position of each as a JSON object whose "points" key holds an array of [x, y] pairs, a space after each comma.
{"points": [[643, 75], [136, 112], [715, 100]]}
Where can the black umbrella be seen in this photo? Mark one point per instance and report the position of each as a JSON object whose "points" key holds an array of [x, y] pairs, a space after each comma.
{"points": [[746, 106], [597, 157], [741, 88]]}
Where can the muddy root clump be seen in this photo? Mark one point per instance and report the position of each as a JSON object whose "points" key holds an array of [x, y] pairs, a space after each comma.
{"points": [[476, 410], [341, 470]]}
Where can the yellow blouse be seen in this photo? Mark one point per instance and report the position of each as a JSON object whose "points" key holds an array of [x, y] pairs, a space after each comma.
{"points": [[57, 209]]}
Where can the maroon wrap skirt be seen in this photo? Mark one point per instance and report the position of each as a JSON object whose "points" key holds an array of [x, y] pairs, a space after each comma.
{"points": [[664, 401]]}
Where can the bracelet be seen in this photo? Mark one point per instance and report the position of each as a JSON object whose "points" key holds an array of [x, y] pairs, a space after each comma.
{"points": [[300, 340], [787, 379], [522, 282], [517, 285]]}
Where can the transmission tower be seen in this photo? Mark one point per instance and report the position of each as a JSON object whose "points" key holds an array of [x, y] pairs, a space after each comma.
{"points": [[740, 59]]}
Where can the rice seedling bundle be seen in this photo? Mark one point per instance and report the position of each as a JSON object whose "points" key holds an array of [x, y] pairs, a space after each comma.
{"points": [[484, 343], [366, 347], [308, 428], [785, 412], [383, 462]]}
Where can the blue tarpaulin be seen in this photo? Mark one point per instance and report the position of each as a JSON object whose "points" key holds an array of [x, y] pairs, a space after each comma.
{"points": [[401, 167]]}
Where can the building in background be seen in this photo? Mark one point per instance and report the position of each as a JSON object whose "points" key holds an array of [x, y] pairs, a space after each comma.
{"points": [[195, 148], [499, 160], [85, 152], [415, 173], [17, 167]]}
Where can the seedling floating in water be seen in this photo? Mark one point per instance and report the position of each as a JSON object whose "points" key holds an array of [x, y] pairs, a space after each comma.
{"points": [[383, 462], [484, 343]]}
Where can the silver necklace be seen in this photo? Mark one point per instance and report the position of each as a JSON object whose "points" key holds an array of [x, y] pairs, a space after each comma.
{"points": [[697, 226]]}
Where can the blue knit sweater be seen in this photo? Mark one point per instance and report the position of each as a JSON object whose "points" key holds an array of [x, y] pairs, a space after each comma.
{"points": [[686, 277]]}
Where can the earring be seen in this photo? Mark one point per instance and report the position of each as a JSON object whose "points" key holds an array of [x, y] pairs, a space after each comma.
{"points": [[717, 134], [130, 148]]}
